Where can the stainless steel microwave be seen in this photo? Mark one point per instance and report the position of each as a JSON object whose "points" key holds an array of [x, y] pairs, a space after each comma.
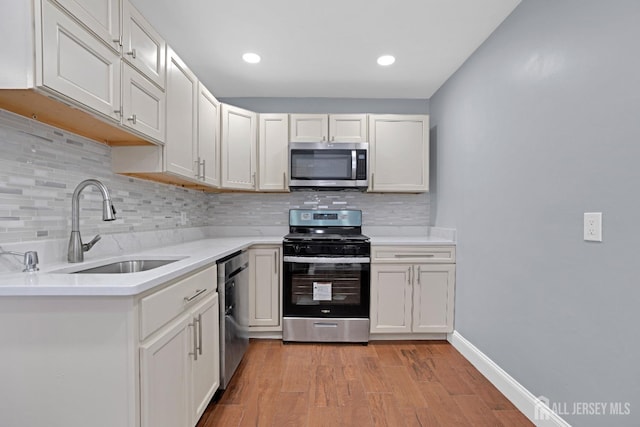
{"points": [[327, 166]]}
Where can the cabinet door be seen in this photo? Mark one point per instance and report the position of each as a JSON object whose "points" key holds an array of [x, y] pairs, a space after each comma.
{"points": [[77, 64], [273, 155], [208, 136], [264, 287], [142, 45], [182, 93], [205, 373], [101, 16], [348, 128], [391, 298], [399, 153], [164, 376], [143, 104], [309, 127], [433, 298], [238, 148]]}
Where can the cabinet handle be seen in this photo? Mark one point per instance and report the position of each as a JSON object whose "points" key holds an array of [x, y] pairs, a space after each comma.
{"points": [[195, 340], [418, 275], [253, 179], [199, 346], [275, 263], [284, 175], [133, 119], [372, 181], [196, 295], [118, 112], [204, 165], [333, 138], [414, 255], [118, 40], [324, 138], [197, 168], [409, 276], [131, 53]]}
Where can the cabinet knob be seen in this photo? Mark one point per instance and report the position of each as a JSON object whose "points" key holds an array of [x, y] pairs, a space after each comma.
{"points": [[132, 53], [133, 119]]}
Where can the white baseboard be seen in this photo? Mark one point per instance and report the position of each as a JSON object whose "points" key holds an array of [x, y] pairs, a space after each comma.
{"points": [[534, 408]]}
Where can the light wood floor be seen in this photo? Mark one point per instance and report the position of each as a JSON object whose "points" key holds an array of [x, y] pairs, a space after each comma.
{"points": [[399, 383]]}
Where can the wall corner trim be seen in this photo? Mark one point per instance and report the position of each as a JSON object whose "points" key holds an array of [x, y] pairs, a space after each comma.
{"points": [[531, 406]]}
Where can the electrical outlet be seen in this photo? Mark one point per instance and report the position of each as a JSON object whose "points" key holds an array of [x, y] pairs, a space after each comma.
{"points": [[183, 218], [593, 226]]}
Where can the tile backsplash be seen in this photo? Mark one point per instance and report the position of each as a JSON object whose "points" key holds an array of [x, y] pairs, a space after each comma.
{"points": [[40, 166]]}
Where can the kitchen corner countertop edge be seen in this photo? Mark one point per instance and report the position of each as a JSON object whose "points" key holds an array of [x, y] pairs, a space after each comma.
{"points": [[53, 281]]}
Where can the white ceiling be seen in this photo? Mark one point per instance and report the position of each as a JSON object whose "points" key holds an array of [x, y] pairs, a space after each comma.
{"points": [[328, 48]]}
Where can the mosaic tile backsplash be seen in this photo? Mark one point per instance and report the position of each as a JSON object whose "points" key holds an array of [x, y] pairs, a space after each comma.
{"points": [[40, 166]]}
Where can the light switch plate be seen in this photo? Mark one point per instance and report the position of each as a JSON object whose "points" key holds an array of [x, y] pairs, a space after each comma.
{"points": [[593, 226]]}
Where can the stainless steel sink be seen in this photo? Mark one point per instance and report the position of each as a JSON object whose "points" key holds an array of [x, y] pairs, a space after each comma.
{"points": [[128, 266]]}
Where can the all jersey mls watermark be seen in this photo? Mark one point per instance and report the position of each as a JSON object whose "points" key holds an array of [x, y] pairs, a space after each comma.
{"points": [[545, 409]]}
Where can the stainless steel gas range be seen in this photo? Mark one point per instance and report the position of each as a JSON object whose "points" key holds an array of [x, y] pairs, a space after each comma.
{"points": [[326, 277]]}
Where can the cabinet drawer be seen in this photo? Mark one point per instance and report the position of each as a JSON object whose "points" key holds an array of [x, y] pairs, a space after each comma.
{"points": [[160, 307], [413, 254]]}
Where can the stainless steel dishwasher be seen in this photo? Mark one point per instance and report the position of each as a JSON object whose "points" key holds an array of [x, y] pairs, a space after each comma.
{"points": [[233, 290]]}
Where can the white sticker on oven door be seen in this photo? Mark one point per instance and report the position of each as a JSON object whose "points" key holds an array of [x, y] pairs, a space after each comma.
{"points": [[322, 291]]}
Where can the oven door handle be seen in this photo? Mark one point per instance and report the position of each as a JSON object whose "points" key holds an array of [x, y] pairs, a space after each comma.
{"points": [[327, 260]]}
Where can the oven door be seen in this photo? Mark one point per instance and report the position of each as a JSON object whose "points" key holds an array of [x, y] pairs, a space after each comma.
{"points": [[326, 287]]}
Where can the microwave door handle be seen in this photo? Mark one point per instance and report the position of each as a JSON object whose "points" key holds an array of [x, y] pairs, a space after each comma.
{"points": [[354, 164]]}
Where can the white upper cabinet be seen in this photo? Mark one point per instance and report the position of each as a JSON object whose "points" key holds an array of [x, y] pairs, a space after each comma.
{"points": [[77, 64], [208, 137], [399, 153], [238, 148], [309, 127], [142, 45], [328, 128], [100, 16], [347, 128], [273, 155], [182, 104], [143, 104]]}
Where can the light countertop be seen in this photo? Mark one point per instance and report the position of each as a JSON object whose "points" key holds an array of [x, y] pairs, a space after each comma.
{"points": [[192, 255], [55, 280]]}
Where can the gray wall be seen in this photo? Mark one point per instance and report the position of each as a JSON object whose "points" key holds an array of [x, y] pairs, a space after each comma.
{"points": [[331, 105], [540, 125]]}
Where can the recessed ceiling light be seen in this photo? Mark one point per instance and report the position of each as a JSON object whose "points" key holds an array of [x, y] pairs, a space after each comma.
{"points": [[386, 60], [251, 58]]}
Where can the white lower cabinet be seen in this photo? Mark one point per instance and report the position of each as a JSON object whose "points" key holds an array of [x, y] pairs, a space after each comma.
{"points": [[205, 372], [164, 367], [179, 362], [180, 368], [265, 288], [412, 290], [149, 360]]}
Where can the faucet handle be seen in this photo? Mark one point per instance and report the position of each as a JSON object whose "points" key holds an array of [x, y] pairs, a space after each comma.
{"points": [[87, 246], [30, 261]]}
